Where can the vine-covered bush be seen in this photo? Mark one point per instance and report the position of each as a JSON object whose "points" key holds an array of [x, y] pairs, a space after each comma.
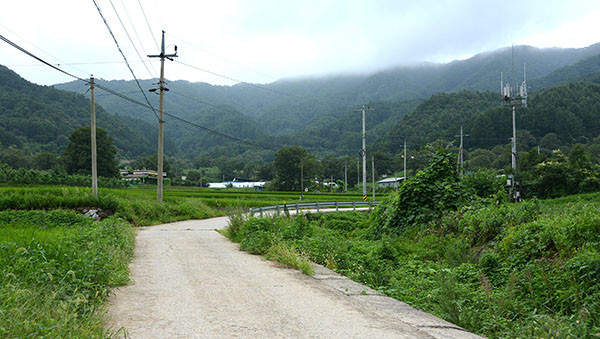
{"points": [[422, 198]]}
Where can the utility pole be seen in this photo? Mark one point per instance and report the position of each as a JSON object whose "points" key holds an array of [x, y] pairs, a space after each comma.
{"points": [[460, 150], [162, 56], [373, 175], [301, 179], [404, 160], [358, 172], [364, 152], [345, 177], [93, 132], [511, 98]]}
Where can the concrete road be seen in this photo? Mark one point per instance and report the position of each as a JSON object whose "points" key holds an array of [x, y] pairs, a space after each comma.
{"points": [[188, 281]]}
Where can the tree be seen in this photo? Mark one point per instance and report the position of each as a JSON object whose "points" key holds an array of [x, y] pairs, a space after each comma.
{"points": [[77, 156], [44, 161], [150, 162], [287, 167]]}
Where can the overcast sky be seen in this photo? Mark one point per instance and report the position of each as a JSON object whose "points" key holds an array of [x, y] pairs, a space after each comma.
{"points": [[260, 40]]}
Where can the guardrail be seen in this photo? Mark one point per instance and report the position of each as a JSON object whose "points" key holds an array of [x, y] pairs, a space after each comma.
{"points": [[277, 209]]}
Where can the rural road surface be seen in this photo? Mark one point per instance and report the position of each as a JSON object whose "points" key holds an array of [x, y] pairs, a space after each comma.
{"points": [[188, 281]]}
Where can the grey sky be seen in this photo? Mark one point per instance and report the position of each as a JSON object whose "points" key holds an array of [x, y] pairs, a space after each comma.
{"points": [[262, 40]]}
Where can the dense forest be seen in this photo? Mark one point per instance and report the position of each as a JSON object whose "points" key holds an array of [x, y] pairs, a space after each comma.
{"points": [[40, 118]]}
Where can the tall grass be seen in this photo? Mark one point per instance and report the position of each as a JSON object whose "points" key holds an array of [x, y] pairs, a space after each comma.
{"points": [[139, 209], [504, 271], [56, 269]]}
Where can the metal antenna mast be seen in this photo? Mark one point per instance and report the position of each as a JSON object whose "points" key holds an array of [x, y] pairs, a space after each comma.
{"points": [[512, 98], [162, 56]]}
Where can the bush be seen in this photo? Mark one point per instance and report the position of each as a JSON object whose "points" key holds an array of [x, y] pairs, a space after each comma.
{"points": [[422, 198]]}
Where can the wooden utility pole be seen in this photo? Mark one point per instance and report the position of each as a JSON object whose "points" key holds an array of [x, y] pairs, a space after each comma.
{"points": [[373, 175], [93, 132], [364, 152], [345, 177], [301, 179], [404, 160], [162, 56], [461, 150]]}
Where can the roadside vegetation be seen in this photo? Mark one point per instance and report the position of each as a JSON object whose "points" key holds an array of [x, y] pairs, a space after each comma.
{"points": [[453, 247], [56, 269], [57, 266]]}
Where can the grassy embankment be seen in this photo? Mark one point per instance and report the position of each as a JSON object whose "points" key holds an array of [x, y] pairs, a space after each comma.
{"points": [[507, 270], [57, 267]]}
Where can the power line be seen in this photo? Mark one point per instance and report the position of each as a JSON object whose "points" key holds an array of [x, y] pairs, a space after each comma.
{"points": [[36, 47], [208, 103], [238, 81], [125, 58], [129, 37], [137, 36], [148, 23], [38, 59], [125, 97], [225, 59]]}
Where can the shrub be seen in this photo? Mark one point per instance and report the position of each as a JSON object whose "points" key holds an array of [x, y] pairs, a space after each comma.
{"points": [[422, 198]]}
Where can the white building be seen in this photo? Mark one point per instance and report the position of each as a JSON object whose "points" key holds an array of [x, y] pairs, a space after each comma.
{"points": [[390, 182]]}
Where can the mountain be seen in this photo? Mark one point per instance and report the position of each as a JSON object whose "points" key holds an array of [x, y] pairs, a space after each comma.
{"points": [[570, 112], [41, 118], [578, 71], [318, 112]]}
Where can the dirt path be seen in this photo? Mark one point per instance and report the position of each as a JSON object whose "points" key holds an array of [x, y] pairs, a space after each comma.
{"points": [[191, 282]]}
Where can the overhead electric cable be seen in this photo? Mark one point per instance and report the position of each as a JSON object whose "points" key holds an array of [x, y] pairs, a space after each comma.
{"points": [[38, 48], [148, 23], [224, 59], [125, 58], [238, 81], [37, 58], [104, 88], [138, 37], [129, 37]]}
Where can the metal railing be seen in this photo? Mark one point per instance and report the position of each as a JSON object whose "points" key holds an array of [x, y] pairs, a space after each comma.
{"points": [[277, 209]]}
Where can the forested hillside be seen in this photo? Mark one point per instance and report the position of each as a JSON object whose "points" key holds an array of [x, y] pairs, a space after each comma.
{"points": [[40, 118], [289, 106], [568, 113]]}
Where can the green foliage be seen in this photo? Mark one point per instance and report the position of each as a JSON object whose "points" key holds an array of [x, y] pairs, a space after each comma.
{"points": [[289, 257], [422, 198], [498, 269], [56, 269], [289, 163], [24, 176], [484, 183], [139, 209], [78, 157], [40, 119]]}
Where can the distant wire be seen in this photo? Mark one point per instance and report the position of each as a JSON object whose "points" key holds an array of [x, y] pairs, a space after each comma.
{"points": [[47, 53], [125, 58], [78, 63], [38, 59], [129, 37], [238, 81], [137, 36], [225, 59], [148, 23], [125, 97], [207, 103]]}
